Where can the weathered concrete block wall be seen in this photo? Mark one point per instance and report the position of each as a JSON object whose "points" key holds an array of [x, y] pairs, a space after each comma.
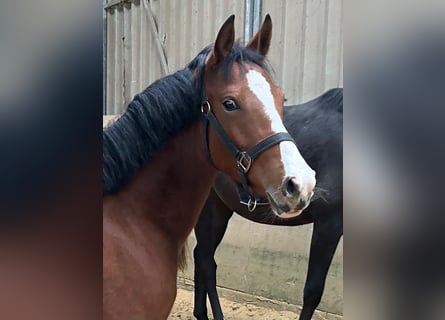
{"points": [[271, 261]]}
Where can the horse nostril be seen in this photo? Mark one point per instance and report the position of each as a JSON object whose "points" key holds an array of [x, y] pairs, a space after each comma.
{"points": [[290, 187]]}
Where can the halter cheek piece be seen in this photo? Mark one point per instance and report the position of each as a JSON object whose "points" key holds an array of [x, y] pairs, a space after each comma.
{"points": [[244, 159]]}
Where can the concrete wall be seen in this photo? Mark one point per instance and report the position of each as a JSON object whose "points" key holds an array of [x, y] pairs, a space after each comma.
{"points": [[271, 262]]}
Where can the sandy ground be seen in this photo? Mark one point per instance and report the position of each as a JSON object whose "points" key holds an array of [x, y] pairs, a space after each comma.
{"points": [[183, 309]]}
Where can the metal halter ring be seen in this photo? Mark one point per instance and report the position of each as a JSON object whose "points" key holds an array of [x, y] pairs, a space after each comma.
{"points": [[251, 205], [206, 103], [241, 160]]}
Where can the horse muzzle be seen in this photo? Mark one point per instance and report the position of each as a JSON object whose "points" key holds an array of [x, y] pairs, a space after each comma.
{"points": [[291, 198]]}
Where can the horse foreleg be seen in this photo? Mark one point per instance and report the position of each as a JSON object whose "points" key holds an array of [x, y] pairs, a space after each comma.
{"points": [[325, 237], [209, 232], [202, 249], [200, 307], [205, 284], [218, 230]]}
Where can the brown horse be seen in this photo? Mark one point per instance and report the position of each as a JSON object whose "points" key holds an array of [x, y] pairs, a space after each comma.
{"points": [[162, 155]]}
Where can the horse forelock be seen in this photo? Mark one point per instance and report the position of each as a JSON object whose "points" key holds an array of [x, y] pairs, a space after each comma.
{"points": [[242, 56], [239, 54]]}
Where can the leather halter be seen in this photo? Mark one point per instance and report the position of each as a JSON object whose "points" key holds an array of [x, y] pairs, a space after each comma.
{"points": [[244, 159]]}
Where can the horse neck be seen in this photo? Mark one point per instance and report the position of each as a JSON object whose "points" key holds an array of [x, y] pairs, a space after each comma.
{"points": [[170, 190]]}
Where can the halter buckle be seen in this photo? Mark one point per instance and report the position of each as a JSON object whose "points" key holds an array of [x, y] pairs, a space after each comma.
{"points": [[244, 161]]}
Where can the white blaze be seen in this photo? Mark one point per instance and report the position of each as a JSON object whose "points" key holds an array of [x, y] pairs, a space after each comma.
{"points": [[293, 163]]}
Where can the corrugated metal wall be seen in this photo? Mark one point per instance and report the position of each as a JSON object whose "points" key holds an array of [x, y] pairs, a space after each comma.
{"points": [[131, 62], [184, 28], [307, 46], [306, 51]]}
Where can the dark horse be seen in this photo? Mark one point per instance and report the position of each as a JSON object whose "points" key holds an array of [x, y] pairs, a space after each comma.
{"points": [[160, 159], [316, 127]]}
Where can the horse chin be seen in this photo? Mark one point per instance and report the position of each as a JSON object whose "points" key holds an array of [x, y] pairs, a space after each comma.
{"points": [[291, 214], [283, 211]]}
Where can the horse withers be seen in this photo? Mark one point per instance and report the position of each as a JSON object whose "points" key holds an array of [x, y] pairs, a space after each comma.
{"points": [[317, 128], [161, 156]]}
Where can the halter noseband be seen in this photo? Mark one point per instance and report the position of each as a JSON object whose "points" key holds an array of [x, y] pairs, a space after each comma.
{"points": [[244, 159]]}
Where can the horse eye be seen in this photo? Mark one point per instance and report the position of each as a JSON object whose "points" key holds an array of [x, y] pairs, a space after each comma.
{"points": [[230, 105]]}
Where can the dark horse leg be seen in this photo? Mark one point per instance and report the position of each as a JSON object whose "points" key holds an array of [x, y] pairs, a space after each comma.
{"points": [[325, 237], [209, 232]]}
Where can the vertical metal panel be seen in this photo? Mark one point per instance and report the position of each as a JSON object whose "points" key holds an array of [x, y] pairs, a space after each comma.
{"points": [[334, 47], [307, 46], [114, 59], [104, 62], [252, 17], [189, 26], [153, 71]]}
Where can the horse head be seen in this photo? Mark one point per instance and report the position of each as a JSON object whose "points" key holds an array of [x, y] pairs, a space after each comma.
{"points": [[244, 132]]}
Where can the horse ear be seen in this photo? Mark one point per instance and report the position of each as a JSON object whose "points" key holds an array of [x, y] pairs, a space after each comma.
{"points": [[224, 41], [261, 40]]}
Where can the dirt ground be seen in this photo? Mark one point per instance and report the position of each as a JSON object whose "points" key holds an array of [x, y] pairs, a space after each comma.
{"points": [[183, 309]]}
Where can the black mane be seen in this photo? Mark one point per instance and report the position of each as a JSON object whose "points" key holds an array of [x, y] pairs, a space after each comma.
{"points": [[166, 107], [163, 109]]}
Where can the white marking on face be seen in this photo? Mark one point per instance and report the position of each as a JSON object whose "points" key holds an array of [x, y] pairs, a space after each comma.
{"points": [[293, 163]]}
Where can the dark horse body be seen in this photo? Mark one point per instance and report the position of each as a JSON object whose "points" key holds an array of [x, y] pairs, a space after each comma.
{"points": [[316, 127]]}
